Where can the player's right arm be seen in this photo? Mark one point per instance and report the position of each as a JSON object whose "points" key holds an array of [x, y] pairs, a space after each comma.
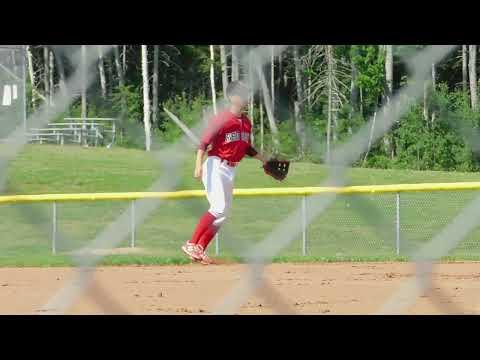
{"points": [[209, 134], [199, 163]]}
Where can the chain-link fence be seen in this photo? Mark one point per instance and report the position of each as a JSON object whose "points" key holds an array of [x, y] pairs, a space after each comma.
{"points": [[355, 226], [12, 88], [328, 225]]}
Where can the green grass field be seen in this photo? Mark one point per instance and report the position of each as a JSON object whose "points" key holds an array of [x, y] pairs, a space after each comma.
{"points": [[356, 228]]}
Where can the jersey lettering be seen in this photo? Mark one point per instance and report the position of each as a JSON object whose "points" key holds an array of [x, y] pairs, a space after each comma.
{"points": [[235, 136]]}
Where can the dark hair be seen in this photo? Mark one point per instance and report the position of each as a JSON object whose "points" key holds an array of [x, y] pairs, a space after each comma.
{"points": [[238, 88]]}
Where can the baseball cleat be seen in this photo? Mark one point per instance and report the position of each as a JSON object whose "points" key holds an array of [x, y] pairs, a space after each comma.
{"points": [[192, 251], [205, 260]]}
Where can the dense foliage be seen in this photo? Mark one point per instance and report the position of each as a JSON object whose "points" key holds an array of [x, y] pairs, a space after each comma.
{"points": [[437, 133]]}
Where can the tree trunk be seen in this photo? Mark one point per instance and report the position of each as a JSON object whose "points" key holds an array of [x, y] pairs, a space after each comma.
{"points": [[101, 71], [389, 70], [31, 72], [212, 79], [261, 123], [361, 101], [119, 68], [146, 97], [464, 68], [121, 79], [473, 76], [329, 59], [270, 116], [309, 92], [370, 138], [299, 121], [329, 120], [425, 100], [110, 65], [46, 76], [250, 116], [61, 74], [124, 60], [280, 69], [355, 95], [354, 88], [155, 84], [434, 77], [235, 65], [51, 87], [83, 64], [251, 99], [223, 60], [434, 85], [335, 108], [272, 77], [285, 75], [387, 142], [14, 62]]}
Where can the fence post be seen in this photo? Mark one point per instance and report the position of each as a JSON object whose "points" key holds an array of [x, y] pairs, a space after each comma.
{"points": [[217, 245], [304, 225], [132, 224], [54, 228], [397, 224]]}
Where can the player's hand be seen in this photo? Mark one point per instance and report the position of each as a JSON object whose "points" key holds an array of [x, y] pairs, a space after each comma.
{"points": [[198, 172]]}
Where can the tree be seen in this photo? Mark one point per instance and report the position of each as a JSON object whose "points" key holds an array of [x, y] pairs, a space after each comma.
{"points": [[223, 61], [329, 78], [425, 100], [120, 69], [268, 102], [121, 80], [354, 91], [298, 104], [146, 97], [46, 77], [61, 72], [83, 64], [371, 80], [124, 59], [389, 70], [50, 77], [251, 103], [31, 72], [464, 67], [212, 79], [155, 84], [272, 77], [370, 64], [261, 122], [101, 71], [434, 85], [331, 103], [235, 64], [473, 76]]}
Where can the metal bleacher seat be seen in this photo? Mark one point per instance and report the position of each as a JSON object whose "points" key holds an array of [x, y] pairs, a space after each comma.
{"points": [[89, 131]]}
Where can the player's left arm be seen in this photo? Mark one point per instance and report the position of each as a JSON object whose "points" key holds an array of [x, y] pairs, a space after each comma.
{"points": [[255, 154]]}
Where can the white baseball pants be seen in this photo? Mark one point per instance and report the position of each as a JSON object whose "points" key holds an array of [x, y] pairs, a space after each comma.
{"points": [[218, 178]]}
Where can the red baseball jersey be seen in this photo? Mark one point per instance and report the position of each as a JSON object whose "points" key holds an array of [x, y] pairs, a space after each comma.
{"points": [[229, 136]]}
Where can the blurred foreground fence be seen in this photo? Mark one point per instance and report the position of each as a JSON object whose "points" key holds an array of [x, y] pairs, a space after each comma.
{"points": [[372, 221]]}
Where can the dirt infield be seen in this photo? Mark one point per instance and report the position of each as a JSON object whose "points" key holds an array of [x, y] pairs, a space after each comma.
{"points": [[331, 288]]}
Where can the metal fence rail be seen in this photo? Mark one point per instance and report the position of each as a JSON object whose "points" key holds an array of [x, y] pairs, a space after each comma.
{"points": [[412, 212]]}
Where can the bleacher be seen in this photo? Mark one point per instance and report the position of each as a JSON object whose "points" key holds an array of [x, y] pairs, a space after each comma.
{"points": [[82, 131]]}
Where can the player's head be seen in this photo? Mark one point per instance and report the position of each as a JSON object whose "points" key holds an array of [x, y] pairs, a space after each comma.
{"points": [[238, 93]]}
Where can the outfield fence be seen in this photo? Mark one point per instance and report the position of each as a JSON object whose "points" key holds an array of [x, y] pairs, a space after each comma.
{"points": [[409, 214]]}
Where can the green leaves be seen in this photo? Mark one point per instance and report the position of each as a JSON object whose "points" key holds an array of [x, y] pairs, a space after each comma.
{"points": [[370, 64]]}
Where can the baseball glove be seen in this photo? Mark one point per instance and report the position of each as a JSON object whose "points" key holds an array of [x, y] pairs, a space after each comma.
{"points": [[278, 169]]}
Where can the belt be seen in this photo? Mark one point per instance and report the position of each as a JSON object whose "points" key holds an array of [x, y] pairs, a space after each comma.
{"points": [[229, 163]]}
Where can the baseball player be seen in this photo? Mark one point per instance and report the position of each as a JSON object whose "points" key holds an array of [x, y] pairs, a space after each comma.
{"points": [[228, 136]]}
